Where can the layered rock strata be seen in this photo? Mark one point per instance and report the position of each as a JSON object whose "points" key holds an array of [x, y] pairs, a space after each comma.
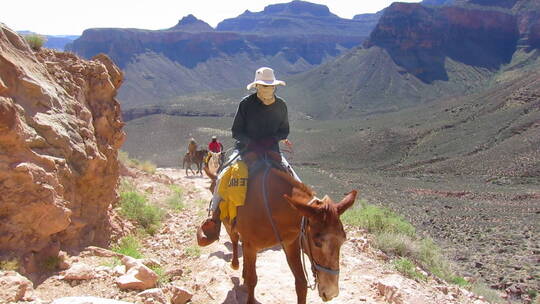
{"points": [[60, 131]]}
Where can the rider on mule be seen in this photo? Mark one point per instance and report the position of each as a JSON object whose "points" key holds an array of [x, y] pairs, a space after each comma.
{"points": [[260, 123], [192, 147], [215, 146]]}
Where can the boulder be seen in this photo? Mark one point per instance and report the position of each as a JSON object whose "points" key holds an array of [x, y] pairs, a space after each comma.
{"points": [[180, 295], [13, 286], [389, 289], [79, 271], [156, 294], [138, 277]]}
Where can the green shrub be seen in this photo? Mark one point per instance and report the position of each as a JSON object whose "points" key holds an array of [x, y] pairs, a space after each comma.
{"points": [[430, 258], [397, 237], [408, 268], [489, 294], [460, 281], [162, 277], [51, 263], [111, 263], [9, 265], [128, 245], [146, 166], [396, 244], [193, 251], [175, 201], [377, 220], [133, 205], [533, 294], [35, 41]]}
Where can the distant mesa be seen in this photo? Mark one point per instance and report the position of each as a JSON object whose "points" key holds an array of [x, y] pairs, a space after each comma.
{"points": [[298, 8], [191, 24], [293, 18]]}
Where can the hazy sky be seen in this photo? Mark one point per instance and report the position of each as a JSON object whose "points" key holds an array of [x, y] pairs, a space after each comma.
{"points": [[57, 17]]}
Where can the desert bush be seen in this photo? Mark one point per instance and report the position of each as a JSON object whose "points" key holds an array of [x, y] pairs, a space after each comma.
{"points": [[146, 166], [130, 246], [163, 278], [51, 263], [461, 282], [397, 237], [408, 268], [175, 201], [9, 265], [193, 251], [431, 258], [134, 206], [489, 294], [377, 220], [396, 244], [35, 41], [111, 263]]}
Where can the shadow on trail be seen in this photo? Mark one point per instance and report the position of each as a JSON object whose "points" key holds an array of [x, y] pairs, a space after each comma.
{"points": [[227, 257], [195, 176], [237, 294]]}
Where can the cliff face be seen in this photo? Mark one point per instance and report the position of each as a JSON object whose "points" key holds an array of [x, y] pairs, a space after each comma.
{"points": [[419, 38], [60, 130]]}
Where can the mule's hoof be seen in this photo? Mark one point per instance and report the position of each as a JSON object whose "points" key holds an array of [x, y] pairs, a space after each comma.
{"points": [[235, 266]]}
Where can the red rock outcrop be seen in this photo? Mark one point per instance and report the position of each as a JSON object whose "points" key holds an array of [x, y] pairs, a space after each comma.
{"points": [[420, 38], [60, 131]]}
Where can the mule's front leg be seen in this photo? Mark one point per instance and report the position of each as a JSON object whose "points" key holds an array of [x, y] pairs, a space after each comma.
{"points": [[234, 240], [295, 263], [249, 272]]}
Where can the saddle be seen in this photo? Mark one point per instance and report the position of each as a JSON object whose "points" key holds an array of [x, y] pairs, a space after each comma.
{"points": [[209, 230]]}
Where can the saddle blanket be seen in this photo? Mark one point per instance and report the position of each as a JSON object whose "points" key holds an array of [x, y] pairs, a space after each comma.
{"points": [[232, 189]]}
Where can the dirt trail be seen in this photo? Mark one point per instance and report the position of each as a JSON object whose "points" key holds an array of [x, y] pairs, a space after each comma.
{"points": [[361, 272], [364, 278]]}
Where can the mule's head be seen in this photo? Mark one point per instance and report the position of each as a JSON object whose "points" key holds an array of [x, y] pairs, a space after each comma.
{"points": [[324, 236]]}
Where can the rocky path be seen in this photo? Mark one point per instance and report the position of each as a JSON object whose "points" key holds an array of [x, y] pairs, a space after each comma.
{"points": [[205, 272]]}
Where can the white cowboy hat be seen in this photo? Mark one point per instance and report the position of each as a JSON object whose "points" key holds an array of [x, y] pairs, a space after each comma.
{"points": [[265, 76]]}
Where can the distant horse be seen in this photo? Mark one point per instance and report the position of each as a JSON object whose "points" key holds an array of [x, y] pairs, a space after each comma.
{"points": [[288, 204], [197, 159]]}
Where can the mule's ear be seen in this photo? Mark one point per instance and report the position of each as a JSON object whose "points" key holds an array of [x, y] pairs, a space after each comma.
{"points": [[298, 203], [346, 202]]}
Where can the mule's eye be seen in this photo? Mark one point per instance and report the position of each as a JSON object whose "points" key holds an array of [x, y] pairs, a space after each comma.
{"points": [[317, 239]]}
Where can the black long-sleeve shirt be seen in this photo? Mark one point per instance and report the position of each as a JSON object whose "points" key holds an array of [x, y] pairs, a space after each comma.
{"points": [[256, 121]]}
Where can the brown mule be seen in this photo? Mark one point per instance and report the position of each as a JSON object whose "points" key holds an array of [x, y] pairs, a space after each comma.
{"points": [[289, 201]]}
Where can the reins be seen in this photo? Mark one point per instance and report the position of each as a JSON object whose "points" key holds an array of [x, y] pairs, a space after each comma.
{"points": [[315, 267]]}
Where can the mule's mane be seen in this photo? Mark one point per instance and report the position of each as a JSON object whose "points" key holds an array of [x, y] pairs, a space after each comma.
{"points": [[293, 182]]}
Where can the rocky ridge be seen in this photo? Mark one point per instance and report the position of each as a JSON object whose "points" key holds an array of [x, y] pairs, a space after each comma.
{"points": [[60, 130]]}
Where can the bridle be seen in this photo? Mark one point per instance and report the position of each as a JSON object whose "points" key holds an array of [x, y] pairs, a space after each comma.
{"points": [[315, 267]]}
